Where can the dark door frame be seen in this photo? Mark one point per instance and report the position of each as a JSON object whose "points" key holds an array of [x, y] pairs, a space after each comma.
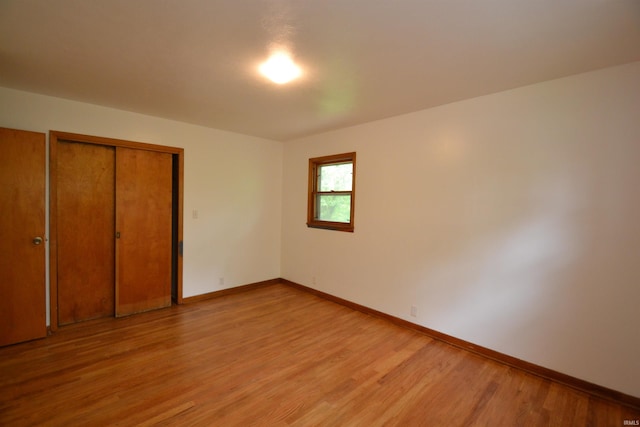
{"points": [[178, 188]]}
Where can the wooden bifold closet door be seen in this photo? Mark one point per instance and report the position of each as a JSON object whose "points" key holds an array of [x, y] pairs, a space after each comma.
{"points": [[86, 220], [143, 230], [114, 230]]}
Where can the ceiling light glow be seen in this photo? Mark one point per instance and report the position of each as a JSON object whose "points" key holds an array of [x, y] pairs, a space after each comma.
{"points": [[280, 68]]}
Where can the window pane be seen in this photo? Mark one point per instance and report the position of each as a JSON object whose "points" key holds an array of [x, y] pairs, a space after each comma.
{"points": [[335, 207], [336, 177]]}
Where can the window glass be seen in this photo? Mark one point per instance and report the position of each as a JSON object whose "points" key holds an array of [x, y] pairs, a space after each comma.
{"points": [[334, 207], [335, 177]]}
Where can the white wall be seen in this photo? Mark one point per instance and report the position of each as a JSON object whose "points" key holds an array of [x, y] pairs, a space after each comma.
{"points": [[511, 221], [233, 181]]}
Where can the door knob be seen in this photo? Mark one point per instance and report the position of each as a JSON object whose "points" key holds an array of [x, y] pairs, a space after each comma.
{"points": [[37, 240]]}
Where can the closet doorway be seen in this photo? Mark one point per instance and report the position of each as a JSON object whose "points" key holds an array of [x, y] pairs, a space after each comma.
{"points": [[116, 227]]}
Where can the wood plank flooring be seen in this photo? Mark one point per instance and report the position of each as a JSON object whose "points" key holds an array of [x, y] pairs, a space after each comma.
{"points": [[273, 356]]}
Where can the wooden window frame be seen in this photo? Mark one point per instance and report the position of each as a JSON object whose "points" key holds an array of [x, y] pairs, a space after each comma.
{"points": [[314, 163]]}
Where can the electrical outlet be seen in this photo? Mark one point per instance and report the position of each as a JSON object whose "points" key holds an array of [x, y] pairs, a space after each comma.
{"points": [[194, 214], [221, 281], [313, 280], [414, 311]]}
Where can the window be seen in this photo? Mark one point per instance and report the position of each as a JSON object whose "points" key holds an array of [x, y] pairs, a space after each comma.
{"points": [[332, 192]]}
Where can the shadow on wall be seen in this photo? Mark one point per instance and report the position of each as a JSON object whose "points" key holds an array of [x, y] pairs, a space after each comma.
{"points": [[554, 277], [503, 278]]}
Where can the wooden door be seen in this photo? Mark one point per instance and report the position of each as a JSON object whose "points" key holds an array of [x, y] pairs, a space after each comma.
{"points": [[143, 229], [22, 230], [86, 223]]}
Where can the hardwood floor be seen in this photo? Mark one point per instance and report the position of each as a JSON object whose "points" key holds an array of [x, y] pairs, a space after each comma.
{"points": [[273, 356]]}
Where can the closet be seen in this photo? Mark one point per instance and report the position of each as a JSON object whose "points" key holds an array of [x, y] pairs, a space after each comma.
{"points": [[116, 225]]}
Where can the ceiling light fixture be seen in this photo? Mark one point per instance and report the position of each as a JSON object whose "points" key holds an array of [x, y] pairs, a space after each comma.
{"points": [[280, 68]]}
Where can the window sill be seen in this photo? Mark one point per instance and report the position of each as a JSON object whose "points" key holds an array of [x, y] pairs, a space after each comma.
{"points": [[336, 226]]}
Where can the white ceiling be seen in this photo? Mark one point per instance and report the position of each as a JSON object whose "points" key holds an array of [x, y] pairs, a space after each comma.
{"points": [[196, 60]]}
